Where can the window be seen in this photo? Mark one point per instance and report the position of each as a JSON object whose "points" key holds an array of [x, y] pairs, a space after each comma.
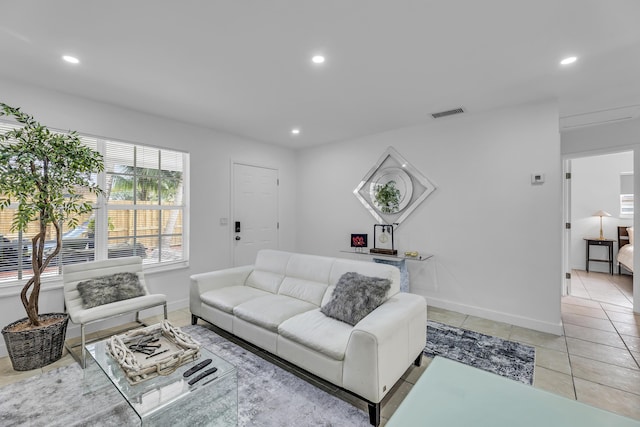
{"points": [[142, 213], [626, 195], [144, 202]]}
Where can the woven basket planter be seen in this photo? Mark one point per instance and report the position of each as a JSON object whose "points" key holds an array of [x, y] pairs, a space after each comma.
{"points": [[35, 348]]}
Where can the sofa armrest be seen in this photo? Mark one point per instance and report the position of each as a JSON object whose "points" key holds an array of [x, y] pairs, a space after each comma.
{"points": [[204, 282], [384, 344]]}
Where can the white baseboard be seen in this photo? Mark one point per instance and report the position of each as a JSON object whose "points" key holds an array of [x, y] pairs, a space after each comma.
{"points": [[524, 322]]}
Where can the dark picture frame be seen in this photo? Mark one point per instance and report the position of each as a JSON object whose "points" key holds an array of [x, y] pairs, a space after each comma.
{"points": [[359, 240]]}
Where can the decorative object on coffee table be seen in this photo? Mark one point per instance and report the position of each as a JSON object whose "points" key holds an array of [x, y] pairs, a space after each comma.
{"points": [[155, 350], [48, 175]]}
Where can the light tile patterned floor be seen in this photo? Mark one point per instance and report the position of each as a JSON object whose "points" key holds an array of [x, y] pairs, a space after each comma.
{"points": [[597, 361]]}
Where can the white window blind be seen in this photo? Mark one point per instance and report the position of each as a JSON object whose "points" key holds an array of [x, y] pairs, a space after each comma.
{"points": [[626, 195], [145, 203]]}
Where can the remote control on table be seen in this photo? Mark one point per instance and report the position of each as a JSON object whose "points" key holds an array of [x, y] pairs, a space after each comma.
{"points": [[202, 375], [196, 368]]}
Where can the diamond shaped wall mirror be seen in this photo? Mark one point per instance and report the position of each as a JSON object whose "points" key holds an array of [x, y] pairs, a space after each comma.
{"points": [[393, 188]]}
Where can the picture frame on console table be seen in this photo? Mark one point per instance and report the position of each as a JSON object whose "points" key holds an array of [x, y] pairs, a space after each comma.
{"points": [[359, 241]]}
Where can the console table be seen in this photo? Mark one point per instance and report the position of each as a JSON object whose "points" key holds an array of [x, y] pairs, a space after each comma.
{"points": [[597, 242], [421, 257], [397, 260], [456, 395]]}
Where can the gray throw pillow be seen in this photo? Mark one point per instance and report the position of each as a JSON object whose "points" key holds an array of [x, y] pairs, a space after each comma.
{"points": [[108, 289], [355, 296]]}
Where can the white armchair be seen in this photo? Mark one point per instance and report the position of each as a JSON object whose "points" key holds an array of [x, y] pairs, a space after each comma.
{"points": [[79, 313]]}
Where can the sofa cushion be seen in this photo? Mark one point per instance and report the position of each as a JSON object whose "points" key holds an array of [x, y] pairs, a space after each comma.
{"points": [[272, 260], [265, 280], [318, 332], [307, 277], [226, 299], [305, 290], [270, 311], [366, 268], [111, 288], [310, 267], [355, 296]]}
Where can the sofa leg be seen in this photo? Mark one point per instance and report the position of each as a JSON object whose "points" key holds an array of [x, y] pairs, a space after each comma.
{"points": [[418, 360], [374, 413], [194, 319]]}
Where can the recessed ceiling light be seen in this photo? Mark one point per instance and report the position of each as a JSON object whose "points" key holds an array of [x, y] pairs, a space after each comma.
{"points": [[295, 131], [318, 59], [71, 59], [569, 60]]}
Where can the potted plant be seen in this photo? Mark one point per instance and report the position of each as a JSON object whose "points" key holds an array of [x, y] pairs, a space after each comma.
{"points": [[387, 197], [45, 173]]}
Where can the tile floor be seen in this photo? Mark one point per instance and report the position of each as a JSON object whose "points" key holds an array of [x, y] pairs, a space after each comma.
{"points": [[612, 289], [597, 361]]}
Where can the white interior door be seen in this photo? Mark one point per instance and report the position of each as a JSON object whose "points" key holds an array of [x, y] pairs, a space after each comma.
{"points": [[255, 211]]}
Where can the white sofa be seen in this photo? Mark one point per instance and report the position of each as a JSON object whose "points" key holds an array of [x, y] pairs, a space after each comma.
{"points": [[275, 304]]}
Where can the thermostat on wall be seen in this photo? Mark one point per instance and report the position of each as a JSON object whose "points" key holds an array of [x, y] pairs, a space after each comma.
{"points": [[537, 178]]}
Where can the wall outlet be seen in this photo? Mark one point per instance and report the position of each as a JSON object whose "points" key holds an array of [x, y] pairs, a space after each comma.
{"points": [[537, 178]]}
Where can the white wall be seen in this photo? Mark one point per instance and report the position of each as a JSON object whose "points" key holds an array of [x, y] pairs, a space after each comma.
{"points": [[595, 185], [601, 139], [620, 136], [211, 156], [495, 236]]}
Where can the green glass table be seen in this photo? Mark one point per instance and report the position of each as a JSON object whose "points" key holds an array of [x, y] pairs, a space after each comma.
{"points": [[169, 400], [456, 395]]}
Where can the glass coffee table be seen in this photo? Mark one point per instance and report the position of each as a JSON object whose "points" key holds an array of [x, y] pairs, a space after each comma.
{"points": [[169, 399], [451, 394]]}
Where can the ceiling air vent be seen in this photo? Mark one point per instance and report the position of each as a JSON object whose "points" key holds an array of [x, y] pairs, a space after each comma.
{"points": [[447, 113]]}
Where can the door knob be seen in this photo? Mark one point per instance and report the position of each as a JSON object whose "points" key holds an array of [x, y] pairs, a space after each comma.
{"points": [[237, 237]]}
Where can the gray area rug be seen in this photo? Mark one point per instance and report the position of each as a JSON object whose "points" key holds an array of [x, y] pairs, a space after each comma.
{"points": [[267, 396], [507, 358]]}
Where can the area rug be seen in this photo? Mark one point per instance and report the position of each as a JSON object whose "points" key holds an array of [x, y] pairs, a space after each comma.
{"points": [[267, 396], [507, 358]]}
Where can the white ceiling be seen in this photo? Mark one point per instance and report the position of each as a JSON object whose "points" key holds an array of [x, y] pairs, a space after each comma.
{"points": [[244, 66]]}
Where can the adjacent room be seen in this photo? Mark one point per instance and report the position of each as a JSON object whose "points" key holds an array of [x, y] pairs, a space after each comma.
{"points": [[602, 199], [288, 213]]}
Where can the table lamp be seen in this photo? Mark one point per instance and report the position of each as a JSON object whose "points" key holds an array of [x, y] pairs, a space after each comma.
{"points": [[601, 213]]}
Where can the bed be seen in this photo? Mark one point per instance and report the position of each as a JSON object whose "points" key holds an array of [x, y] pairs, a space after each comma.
{"points": [[625, 248]]}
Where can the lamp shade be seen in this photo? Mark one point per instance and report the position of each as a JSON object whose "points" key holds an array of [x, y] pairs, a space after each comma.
{"points": [[602, 213]]}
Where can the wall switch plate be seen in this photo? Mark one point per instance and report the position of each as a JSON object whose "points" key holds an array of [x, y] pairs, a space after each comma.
{"points": [[224, 221], [537, 178]]}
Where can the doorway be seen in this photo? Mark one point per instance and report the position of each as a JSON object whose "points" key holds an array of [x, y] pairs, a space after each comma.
{"points": [[597, 184], [254, 213]]}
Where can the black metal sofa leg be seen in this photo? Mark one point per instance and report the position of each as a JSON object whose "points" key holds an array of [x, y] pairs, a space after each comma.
{"points": [[194, 319], [374, 413], [418, 360]]}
